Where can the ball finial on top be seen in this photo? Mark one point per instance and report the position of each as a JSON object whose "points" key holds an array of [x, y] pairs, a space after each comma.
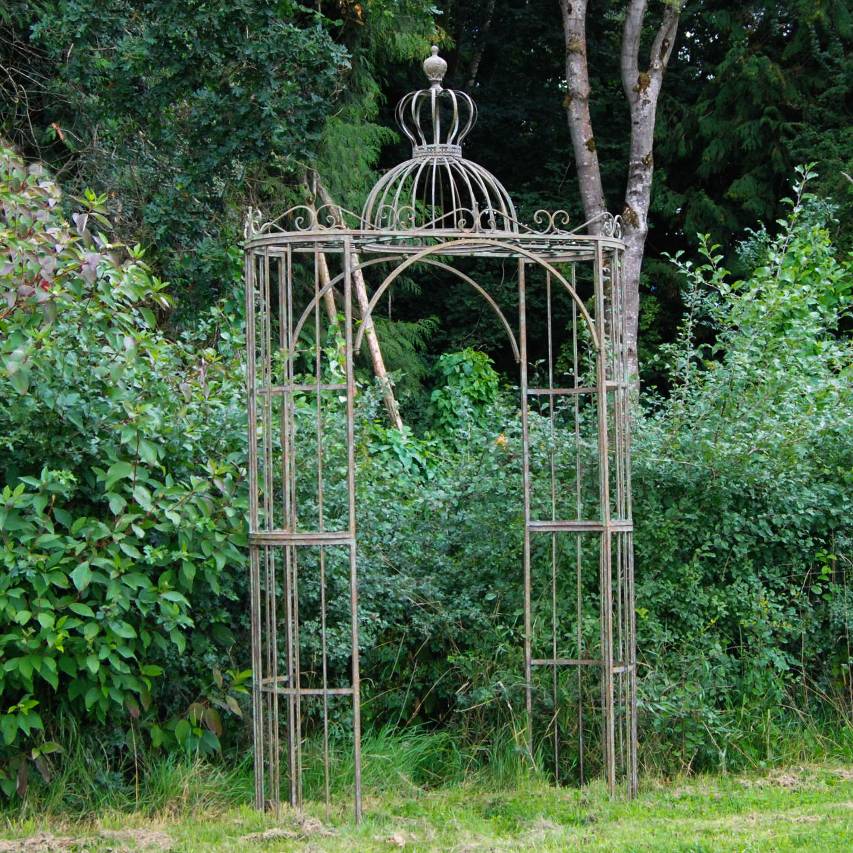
{"points": [[435, 68]]}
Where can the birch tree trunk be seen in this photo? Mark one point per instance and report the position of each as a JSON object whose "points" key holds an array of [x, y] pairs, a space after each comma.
{"points": [[642, 90]]}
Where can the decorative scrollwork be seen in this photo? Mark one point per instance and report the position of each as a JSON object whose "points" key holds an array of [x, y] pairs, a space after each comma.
{"points": [[303, 218], [552, 220], [612, 226]]}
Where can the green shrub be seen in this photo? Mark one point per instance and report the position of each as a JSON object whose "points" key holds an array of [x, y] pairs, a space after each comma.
{"points": [[120, 452]]}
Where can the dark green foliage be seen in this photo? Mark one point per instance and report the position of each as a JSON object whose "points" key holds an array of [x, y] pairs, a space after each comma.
{"points": [[185, 113], [177, 108]]}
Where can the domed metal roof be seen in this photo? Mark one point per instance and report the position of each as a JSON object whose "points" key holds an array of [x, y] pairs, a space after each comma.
{"points": [[438, 189]]}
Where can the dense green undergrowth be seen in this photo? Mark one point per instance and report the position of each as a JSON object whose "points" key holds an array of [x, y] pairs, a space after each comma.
{"points": [[122, 521]]}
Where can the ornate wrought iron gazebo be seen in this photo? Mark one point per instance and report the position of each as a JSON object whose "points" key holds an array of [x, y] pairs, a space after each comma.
{"points": [[439, 211]]}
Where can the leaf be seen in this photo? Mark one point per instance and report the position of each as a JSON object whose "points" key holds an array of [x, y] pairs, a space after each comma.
{"points": [[131, 550], [20, 378], [117, 504], [9, 728], [82, 576], [213, 721], [182, 731], [142, 496], [46, 620], [82, 610], [50, 676], [234, 705], [123, 629], [118, 471], [147, 451]]}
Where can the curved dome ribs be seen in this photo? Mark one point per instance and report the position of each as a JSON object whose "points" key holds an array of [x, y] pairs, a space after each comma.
{"points": [[438, 189]]}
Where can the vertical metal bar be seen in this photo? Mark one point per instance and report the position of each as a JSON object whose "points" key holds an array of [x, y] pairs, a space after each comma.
{"points": [[288, 463], [321, 525], [350, 377], [605, 582], [578, 549], [630, 640], [522, 327], [268, 520], [553, 473], [615, 316], [254, 563], [296, 684]]}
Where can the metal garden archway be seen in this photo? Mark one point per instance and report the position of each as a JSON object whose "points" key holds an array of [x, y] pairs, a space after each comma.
{"points": [[438, 211]]}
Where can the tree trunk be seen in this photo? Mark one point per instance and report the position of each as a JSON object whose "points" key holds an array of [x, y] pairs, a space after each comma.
{"points": [[481, 46], [642, 90], [360, 289], [577, 110]]}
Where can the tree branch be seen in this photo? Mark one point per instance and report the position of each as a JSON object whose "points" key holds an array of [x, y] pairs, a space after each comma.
{"points": [[360, 289], [631, 35]]}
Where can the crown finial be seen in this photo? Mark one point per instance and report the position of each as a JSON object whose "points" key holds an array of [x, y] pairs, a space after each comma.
{"points": [[435, 68]]}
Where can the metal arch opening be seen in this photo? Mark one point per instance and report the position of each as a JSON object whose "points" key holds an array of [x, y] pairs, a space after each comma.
{"points": [[474, 243], [427, 261]]}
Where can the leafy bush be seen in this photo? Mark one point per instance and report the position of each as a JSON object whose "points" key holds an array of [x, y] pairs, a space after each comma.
{"points": [[742, 482], [120, 454]]}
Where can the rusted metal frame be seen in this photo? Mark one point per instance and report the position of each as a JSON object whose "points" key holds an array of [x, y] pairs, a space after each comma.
{"points": [[308, 691], [605, 577], [285, 537], [562, 392], [617, 666], [614, 314], [318, 375], [303, 387], [525, 477], [430, 262], [472, 243], [289, 515], [579, 526], [553, 477], [560, 247], [610, 355], [350, 405], [624, 554], [293, 523], [628, 544], [272, 734], [579, 516], [254, 555], [621, 628]]}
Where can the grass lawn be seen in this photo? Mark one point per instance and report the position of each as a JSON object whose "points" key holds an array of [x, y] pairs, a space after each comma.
{"points": [[808, 808]]}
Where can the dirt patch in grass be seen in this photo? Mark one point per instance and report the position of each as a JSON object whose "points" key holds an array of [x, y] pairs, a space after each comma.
{"points": [[42, 841], [307, 827], [117, 841], [137, 839]]}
